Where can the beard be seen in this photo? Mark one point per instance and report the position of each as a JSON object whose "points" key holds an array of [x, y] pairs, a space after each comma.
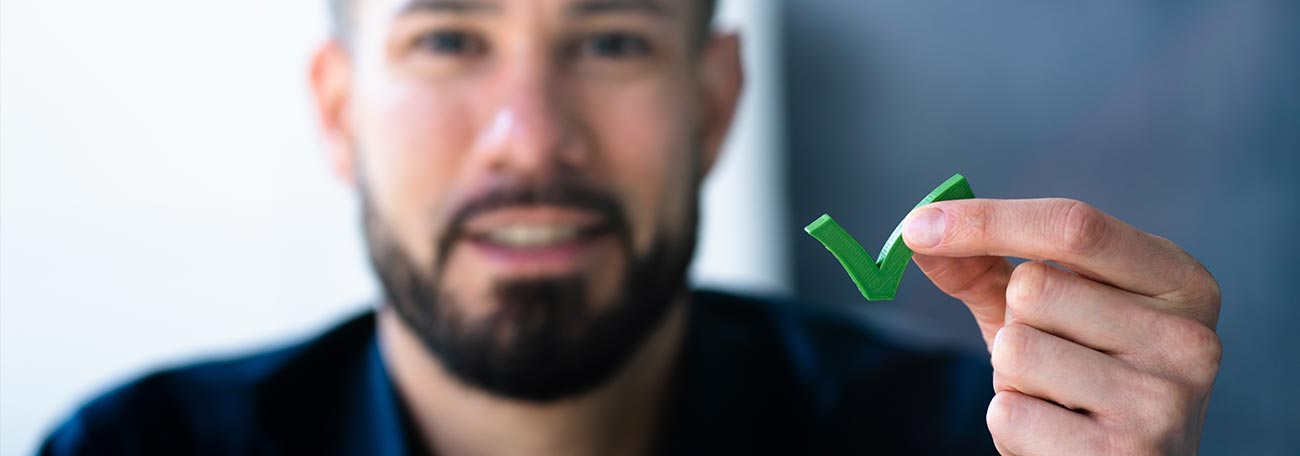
{"points": [[542, 340]]}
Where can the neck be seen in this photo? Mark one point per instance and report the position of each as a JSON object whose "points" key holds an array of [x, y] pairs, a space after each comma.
{"points": [[620, 417]]}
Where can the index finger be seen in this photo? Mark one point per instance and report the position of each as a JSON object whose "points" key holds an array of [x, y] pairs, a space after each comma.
{"points": [[1070, 233]]}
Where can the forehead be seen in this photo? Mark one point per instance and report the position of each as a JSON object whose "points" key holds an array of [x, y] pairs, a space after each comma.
{"points": [[656, 9]]}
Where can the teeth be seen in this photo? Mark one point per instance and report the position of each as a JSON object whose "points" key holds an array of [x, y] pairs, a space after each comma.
{"points": [[532, 235]]}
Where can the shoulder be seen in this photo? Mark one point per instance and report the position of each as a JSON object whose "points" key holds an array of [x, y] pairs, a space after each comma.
{"points": [[209, 407], [859, 389]]}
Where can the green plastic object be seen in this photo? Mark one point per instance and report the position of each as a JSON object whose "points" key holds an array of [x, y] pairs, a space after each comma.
{"points": [[878, 280]]}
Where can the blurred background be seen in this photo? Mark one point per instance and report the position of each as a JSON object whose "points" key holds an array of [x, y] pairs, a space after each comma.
{"points": [[1181, 118], [163, 199]]}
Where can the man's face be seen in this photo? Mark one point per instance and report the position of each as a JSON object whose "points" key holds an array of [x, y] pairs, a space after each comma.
{"points": [[529, 174]]}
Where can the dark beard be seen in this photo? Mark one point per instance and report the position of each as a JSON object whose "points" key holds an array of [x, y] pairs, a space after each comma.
{"points": [[543, 340]]}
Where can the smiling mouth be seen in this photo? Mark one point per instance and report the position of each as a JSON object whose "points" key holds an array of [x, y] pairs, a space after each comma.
{"points": [[540, 240], [525, 235]]}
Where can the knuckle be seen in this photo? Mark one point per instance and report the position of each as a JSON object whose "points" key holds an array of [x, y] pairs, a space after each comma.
{"points": [[1212, 358], [1014, 421], [1029, 289], [1196, 351], [999, 383], [1212, 289], [972, 225], [1198, 285], [1188, 268], [1213, 294], [1082, 227], [1204, 294], [1002, 414], [1012, 352], [1206, 302]]}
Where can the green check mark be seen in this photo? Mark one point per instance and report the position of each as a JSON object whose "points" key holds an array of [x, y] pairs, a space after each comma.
{"points": [[878, 280]]}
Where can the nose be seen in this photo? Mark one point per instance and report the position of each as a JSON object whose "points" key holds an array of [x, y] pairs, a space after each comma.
{"points": [[533, 129]]}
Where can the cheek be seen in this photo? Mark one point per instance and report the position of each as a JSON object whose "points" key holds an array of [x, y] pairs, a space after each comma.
{"points": [[411, 142], [644, 137]]}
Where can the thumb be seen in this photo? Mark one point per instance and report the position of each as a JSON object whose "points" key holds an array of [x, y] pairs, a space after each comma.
{"points": [[980, 281]]}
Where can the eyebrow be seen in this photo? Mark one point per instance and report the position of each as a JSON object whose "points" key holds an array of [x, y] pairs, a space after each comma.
{"points": [[579, 8], [448, 6], [596, 7]]}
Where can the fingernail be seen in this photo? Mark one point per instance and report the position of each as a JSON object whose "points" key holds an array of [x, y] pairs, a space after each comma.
{"points": [[925, 228]]}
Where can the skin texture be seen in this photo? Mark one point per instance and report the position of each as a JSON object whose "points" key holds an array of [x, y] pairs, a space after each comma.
{"points": [[1114, 354], [429, 106]]}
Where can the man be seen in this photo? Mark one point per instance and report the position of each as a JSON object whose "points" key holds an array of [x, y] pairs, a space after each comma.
{"points": [[529, 176]]}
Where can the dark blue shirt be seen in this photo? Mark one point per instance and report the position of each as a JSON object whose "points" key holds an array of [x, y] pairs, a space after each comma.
{"points": [[755, 377]]}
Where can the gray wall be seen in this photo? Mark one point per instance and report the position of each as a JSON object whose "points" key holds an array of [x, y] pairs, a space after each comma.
{"points": [[1182, 118]]}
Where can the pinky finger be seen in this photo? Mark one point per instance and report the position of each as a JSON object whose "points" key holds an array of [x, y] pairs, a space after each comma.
{"points": [[1025, 425]]}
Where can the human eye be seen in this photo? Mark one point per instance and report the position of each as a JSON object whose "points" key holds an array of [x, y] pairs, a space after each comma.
{"points": [[449, 43], [615, 46]]}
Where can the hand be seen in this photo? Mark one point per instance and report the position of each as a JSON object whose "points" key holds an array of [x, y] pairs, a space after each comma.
{"points": [[1113, 352]]}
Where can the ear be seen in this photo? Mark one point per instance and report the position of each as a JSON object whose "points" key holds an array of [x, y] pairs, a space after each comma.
{"points": [[331, 85], [722, 78]]}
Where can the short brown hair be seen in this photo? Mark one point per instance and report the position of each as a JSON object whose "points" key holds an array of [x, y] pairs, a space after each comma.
{"points": [[341, 12]]}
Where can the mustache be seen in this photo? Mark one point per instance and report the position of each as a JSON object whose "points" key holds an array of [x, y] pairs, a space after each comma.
{"points": [[566, 193]]}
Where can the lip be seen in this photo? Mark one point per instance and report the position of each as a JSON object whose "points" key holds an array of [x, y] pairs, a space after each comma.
{"points": [[595, 234], [583, 219]]}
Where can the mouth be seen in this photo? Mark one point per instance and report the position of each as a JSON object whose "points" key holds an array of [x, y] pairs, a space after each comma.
{"points": [[539, 240]]}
